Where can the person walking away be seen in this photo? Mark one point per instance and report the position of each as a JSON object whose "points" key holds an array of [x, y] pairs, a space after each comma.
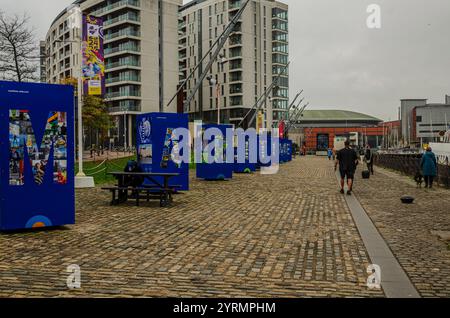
{"points": [[330, 153], [368, 159], [347, 160], [429, 167], [362, 153]]}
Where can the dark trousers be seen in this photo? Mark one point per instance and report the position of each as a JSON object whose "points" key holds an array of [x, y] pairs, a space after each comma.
{"points": [[429, 181], [370, 167]]}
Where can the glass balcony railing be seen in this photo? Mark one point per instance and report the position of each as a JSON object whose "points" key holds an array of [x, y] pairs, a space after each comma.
{"points": [[132, 48], [236, 89], [110, 95], [280, 25], [118, 79], [124, 108], [125, 32], [123, 63], [122, 3], [235, 52], [125, 17], [235, 65], [234, 5]]}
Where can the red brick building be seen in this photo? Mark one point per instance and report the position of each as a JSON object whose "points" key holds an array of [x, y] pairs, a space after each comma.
{"points": [[320, 127]]}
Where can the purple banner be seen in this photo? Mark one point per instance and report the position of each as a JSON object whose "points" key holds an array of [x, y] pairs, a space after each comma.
{"points": [[93, 67]]}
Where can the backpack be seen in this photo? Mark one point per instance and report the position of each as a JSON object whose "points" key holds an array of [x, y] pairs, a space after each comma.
{"points": [[134, 181]]}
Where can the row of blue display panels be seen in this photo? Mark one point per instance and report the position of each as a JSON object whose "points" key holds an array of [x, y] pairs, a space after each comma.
{"points": [[37, 152], [156, 140]]}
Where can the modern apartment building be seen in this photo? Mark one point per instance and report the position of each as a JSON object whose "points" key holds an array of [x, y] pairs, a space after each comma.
{"points": [[141, 56], [255, 54]]}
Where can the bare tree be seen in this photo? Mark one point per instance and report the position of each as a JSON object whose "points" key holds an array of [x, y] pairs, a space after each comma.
{"points": [[18, 49]]}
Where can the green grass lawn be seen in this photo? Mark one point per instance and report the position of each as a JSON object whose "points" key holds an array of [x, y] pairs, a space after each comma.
{"points": [[100, 173]]}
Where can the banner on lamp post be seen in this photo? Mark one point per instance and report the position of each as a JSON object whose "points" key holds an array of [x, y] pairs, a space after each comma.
{"points": [[93, 64], [282, 128], [259, 122]]}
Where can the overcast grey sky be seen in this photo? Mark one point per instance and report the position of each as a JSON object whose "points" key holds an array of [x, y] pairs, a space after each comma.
{"points": [[337, 60]]}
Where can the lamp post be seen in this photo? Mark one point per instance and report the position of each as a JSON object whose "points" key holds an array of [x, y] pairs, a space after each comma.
{"points": [[215, 84], [75, 18]]}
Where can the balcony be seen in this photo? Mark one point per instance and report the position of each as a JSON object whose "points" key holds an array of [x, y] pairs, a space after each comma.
{"points": [[233, 5], [126, 94], [124, 108], [236, 101], [235, 65], [120, 79], [123, 48], [235, 39], [280, 25], [236, 89], [235, 52], [128, 17], [121, 33], [281, 14], [131, 63], [117, 5], [236, 77]]}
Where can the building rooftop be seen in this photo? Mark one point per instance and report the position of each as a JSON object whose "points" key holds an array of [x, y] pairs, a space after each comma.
{"points": [[336, 115]]}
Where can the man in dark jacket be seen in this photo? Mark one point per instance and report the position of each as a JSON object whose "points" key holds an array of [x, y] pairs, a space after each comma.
{"points": [[347, 159]]}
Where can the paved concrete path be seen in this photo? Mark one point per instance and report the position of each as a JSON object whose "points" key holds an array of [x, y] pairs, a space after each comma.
{"points": [[394, 280], [286, 235], [409, 230]]}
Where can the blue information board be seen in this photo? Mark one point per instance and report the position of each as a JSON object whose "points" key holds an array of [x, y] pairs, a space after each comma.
{"points": [[285, 150], [155, 142], [246, 167], [264, 150], [215, 171], [37, 155], [243, 167], [289, 150]]}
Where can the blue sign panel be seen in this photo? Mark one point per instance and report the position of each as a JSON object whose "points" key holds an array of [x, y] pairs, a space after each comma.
{"points": [[264, 150], [155, 142], [289, 150], [215, 171], [37, 155], [244, 167], [285, 150]]}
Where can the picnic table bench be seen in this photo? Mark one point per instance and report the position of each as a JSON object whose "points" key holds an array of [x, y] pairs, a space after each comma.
{"points": [[154, 190]]}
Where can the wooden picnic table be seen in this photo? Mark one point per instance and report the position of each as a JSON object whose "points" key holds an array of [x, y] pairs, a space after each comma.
{"points": [[152, 190]]}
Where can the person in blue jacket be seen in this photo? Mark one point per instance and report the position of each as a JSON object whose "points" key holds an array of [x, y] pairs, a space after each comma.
{"points": [[429, 167], [330, 153]]}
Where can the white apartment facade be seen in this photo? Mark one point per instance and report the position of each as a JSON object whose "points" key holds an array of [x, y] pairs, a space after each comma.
{"points": [[141, 57], [255, 54]]}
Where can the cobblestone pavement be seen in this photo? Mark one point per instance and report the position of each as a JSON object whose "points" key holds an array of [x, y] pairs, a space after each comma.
{"points": [[408, 228], [286, 235]]}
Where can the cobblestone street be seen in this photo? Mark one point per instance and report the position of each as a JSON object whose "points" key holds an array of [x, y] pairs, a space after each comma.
{"points": [[287, 235], [409, 229]]}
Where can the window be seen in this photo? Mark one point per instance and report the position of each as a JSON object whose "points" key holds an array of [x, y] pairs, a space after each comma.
{"points": [[322, 142]]}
